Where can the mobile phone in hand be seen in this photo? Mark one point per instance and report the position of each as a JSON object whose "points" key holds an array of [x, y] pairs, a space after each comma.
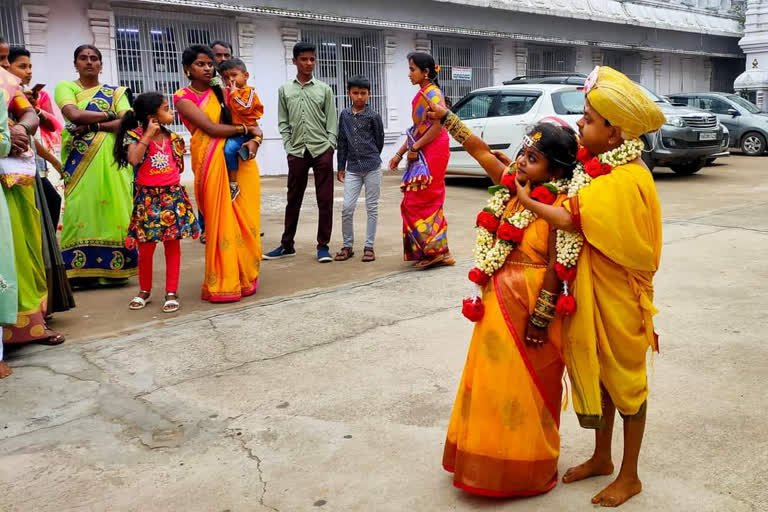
{"points": [[38, 88]]}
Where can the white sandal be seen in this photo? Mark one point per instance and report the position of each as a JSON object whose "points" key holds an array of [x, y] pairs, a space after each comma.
{"points": [[138, 303], [171, 305]]}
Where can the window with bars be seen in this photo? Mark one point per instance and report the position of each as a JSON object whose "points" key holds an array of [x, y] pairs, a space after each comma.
{"points": [[149, 47], [343, 54], [465, 65], [11, 24], [550, 60], [628, 63]]}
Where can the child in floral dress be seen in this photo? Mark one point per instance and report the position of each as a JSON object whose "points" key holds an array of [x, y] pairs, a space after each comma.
{"points": [[162, 211]]}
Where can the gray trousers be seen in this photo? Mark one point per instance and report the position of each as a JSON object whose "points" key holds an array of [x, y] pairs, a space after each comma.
{"points": [[353, 184]]}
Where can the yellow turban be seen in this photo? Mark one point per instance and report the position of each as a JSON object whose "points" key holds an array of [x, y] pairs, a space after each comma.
{"points": [[622, 102]]}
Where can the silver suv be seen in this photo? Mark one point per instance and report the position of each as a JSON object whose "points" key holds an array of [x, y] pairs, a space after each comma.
{"points": [[747, 125]]}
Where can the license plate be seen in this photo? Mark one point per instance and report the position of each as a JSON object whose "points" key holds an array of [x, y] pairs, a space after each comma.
{"points": [[707, 136]]}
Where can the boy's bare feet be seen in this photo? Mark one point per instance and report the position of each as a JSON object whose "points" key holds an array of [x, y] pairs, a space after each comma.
{"points": [[592, 467], [5, 370], [618, 492]]}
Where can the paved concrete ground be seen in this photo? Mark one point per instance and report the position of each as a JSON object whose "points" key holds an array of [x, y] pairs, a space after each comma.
{"points": [[331, 390]]}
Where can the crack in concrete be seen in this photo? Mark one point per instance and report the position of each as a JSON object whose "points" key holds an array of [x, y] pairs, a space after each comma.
{"points": [[722, 228], [299, 350], [41, 429], [56, 372], [249, 453], [694, 237]]}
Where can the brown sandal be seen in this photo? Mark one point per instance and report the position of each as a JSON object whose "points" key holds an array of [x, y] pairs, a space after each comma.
{"points": [[368, 255], [344, 254]]}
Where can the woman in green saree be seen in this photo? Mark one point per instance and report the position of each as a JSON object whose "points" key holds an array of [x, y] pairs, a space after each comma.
{"points": [[17, 175], [9, 290], [98, 194]]}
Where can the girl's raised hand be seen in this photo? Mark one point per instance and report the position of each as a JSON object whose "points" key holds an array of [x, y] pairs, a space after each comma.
{"points": [[436, 111], [153, 127], [503, 158]]}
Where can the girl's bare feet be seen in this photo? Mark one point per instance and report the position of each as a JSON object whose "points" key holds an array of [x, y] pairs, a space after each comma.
{"points": [[5, 370], [592, 467], [618, 492]]}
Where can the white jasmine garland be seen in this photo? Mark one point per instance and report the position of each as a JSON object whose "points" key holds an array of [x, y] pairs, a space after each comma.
{"points": [[569, 244], [490, 252]]}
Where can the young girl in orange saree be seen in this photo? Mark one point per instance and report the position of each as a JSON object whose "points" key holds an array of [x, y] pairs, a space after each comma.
{"points": [[233, 244], [425, 230], [503, 439]]}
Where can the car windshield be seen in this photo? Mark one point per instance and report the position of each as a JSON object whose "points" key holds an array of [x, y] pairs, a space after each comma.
{"points": [[746, 105], [652, 96]]}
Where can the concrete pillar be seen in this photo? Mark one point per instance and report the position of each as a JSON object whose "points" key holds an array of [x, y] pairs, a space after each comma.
{"points": [[101, 21]]}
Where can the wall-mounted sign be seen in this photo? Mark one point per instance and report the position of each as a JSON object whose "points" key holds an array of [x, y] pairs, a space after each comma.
{"points": [[459, 73]]}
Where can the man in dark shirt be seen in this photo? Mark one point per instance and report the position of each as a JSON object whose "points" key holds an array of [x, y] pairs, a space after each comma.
{"points": [[360, 141]]}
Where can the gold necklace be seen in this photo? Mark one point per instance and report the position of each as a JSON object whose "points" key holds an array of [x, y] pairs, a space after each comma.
{"points": [[197, 91]]}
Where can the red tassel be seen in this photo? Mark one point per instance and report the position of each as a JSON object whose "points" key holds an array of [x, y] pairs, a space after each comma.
{"points": [[473, 309], [566, 305]]}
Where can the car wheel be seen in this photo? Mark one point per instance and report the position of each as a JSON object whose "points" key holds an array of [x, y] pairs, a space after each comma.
{"points": [[710, 161], [687, 169], [753, 144]]}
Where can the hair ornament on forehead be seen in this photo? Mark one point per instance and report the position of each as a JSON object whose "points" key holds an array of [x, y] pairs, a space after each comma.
{"points": [[530, 141]]}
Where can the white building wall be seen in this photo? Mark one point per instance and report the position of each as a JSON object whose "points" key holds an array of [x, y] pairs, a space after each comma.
{"points": [[266, 44]]}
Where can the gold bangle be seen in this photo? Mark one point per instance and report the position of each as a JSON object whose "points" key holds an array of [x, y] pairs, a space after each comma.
{"points": [[549, 296], [458, 130], [538, 322], [545, 303]]}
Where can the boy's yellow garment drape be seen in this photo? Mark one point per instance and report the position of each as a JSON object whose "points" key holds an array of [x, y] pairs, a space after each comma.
{"points": [[606, 339]]}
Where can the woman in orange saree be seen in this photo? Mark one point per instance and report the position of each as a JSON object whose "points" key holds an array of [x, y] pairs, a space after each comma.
{"points": [[233, 244], [503, 439]]}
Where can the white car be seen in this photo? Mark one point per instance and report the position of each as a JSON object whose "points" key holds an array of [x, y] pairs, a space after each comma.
{"points": [[500, 115]]}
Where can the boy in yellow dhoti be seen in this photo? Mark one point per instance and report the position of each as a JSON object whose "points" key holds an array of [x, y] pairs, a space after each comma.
{"points": [[609, 245]]}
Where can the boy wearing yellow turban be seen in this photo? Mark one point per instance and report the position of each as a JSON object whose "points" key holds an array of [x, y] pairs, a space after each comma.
{"points": [[606, 338]]}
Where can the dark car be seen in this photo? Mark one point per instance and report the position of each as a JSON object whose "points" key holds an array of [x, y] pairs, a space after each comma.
{"points": [[747, 125], [690, 139]]}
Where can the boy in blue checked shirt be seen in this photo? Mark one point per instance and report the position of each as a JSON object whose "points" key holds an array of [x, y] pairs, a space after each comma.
{"points": [[360, 141]]}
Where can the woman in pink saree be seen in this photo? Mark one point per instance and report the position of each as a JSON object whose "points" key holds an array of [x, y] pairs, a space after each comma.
{"points": [[425, 230]]}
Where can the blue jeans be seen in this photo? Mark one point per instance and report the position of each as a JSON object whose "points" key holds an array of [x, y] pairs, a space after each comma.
{"points": [[353, 184], [230, 151]]}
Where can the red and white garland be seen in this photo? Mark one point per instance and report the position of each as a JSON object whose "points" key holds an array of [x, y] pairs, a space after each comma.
{"points": [[491, 254], [569, 243], [498, 235]]}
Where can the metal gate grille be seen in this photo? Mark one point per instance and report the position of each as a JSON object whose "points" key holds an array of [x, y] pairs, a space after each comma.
{"points": [[550, 60], [149, 47], [11, 25], [343, 54], [627, 63], [465, 65]]}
